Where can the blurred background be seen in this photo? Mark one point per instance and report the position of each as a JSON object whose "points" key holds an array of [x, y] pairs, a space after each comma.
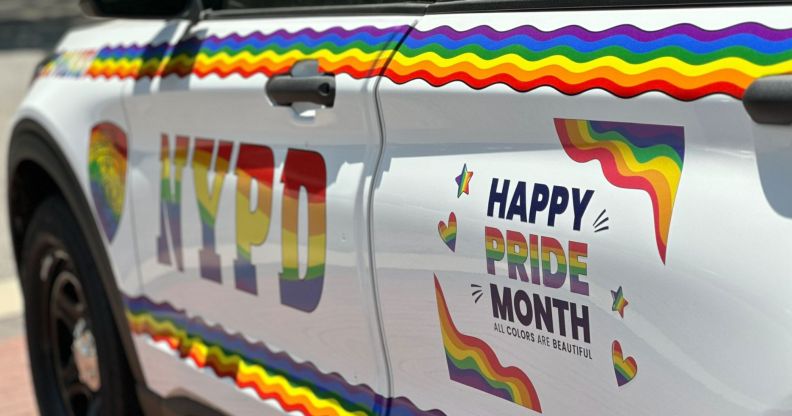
{"points": [[29, 30]]}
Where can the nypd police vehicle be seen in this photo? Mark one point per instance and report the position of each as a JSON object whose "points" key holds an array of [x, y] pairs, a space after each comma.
{"points": [[373, 207]]}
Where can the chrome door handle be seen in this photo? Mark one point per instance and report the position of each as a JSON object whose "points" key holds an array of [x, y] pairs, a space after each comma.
{"points": [[303, 84]]}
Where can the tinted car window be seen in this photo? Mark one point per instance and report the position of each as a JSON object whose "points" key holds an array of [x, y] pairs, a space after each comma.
{"points": [[264, 4]]}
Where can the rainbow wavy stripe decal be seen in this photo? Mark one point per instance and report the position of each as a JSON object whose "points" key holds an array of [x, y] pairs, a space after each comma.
{"points": [[296, 386], [684, 61], [107, 168], [473, 363], [633, 156], [71, 64], [359, 52]]}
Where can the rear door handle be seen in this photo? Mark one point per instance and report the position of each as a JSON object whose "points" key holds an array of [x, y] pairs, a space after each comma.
{"points": [[768, 100], [303, 84]]}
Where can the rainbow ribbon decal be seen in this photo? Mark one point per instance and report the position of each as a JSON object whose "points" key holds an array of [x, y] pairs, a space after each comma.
{"points": [[633, 156], [684, 61], [361, 52], [296, 386], [107, 168], [473, 363]]}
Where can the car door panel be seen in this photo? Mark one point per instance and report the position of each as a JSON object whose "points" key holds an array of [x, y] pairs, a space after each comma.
{"points": [[564, 208], [253, 230]]}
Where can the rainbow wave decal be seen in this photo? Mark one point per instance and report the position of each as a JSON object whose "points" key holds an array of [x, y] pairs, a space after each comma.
{"points": [[107, 168], [647, 157], [296, 386], [361, 52], [684, 61], [473, 363], [68, 64]]}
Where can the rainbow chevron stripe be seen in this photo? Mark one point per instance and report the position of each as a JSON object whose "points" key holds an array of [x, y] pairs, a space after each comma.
{"points": [[684, 61], [296, 386], [647, 157], [107, 168], [359, 52], [473, 363]]}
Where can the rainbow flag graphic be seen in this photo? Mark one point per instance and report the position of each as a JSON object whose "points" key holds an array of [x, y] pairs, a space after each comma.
{"points": [[647, 157], [473, 363]]}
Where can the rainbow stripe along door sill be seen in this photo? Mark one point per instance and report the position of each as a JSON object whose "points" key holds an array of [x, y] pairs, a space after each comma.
{"points": [[296, 386]]}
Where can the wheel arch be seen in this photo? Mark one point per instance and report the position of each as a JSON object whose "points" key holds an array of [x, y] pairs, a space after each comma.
{"points": [[38, 168]]}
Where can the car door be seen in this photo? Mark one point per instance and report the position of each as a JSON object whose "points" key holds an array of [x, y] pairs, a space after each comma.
{"points": [[254, 137], [575, 214]]}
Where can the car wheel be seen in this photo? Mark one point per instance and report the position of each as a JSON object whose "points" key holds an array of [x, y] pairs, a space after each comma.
{"points": [[76, 356]]}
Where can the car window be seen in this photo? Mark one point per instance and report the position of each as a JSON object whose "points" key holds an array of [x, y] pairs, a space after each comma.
{"points": [[265, 4]]}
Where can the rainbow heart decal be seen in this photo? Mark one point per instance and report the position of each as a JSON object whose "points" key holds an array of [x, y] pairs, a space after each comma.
{"points": [[448, 232], [625, 368]]}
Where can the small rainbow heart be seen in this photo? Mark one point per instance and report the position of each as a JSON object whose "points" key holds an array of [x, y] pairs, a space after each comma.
{"points": [[625, 368], [448, 232]]}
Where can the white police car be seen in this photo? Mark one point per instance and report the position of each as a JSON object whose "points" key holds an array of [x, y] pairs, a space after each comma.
{"points": [[482, 207]]}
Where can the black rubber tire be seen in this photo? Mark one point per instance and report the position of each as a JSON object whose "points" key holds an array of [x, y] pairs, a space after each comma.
{"points": [[53, 233]]}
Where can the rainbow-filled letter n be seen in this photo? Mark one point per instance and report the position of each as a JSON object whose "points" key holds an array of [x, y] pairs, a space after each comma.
{"points": [[473, 363], [647, 157]]}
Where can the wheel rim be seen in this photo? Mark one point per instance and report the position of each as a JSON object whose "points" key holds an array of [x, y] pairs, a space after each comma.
{"points": [[73, 347]]}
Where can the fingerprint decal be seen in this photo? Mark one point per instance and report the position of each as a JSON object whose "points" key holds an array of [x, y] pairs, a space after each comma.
{"points": [[473, 363], [296, 386], [684, 61], [358, 52], [107, 168], [646, 157]]}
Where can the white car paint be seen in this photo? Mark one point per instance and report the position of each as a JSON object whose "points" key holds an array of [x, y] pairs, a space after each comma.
{"points": [[706, 319]]}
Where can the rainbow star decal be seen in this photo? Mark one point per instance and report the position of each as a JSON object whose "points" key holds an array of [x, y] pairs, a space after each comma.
{"points": [[463, 181], [619, 302]]}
